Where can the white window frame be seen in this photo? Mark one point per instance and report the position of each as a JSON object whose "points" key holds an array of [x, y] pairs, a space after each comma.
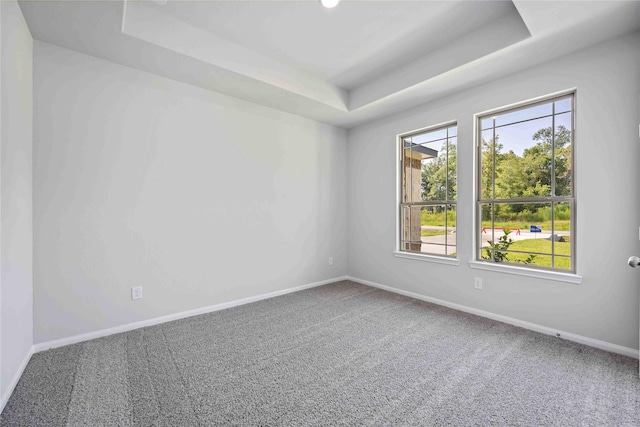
{"points": [[512, 268], [399, 252]]}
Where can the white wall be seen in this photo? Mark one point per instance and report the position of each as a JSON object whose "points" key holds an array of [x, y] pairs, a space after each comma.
{"points": [[16, 291], [197, 197], [605, 305]]}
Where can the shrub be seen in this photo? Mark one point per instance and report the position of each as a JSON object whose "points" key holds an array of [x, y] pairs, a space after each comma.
{"points": [[501, 247]]}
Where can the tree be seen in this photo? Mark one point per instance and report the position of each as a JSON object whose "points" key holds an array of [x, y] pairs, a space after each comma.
{"points": [[439, 175], [529, 175], [490, 149], [538, 160]]}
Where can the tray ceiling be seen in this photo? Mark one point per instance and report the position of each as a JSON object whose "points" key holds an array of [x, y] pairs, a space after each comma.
{"points": [[344, 66]]}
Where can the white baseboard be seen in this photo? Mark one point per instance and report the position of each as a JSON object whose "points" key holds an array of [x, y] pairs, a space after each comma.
{"points": [[16, 378], [176, 316], [603, 345]]}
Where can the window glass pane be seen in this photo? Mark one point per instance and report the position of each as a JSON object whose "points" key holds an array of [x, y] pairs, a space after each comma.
{"points": [[429, 229], [562, 262], [452, 169], [486, 178], [563, 121], [538, 260], [429, 170], [522, 136], [451, 236], [500, 217], [430, 136], [411, 228], [486, 214], [434, 172], [563, 154], [523, 114], [563, 105], [438, 230], [521, 232], [562, 235], [434, 232], [411, 176], [404, 215], [523, 160], [433, 136], [486, 123]]}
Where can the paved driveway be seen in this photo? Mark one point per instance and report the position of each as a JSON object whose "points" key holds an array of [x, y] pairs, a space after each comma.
{"points": [[436, 244]]}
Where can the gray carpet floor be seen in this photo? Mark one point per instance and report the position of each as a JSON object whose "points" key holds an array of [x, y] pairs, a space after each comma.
{"points": [[340, 354]]}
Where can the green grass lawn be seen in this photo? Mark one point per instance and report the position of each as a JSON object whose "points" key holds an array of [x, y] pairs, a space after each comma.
{"points": [[428, 232], [438, 220], [541, 246]]}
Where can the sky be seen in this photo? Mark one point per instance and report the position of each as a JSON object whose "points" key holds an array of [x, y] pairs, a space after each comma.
{"points": [[517, 137], [515, 128]]}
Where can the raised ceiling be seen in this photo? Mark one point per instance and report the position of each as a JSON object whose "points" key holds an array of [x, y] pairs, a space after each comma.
{"points": [[347, 46], [344, 66]]}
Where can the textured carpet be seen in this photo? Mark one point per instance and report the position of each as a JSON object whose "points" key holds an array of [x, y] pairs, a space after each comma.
{"points": [[340, 354]]}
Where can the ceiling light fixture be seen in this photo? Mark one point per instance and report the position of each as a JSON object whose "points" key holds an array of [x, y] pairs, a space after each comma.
{"points": [[329, 3]]}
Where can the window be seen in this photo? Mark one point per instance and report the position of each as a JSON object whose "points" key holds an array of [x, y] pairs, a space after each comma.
{"points": [[428, 175], [525, 185]]}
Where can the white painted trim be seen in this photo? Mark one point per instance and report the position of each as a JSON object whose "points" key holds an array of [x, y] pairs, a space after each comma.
{"points": [[515, 105], [529, 272], [427, 258], [16, 378], [602, 345], [176, 316], [521, 271]]}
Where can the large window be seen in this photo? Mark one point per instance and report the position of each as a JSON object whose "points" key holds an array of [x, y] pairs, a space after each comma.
{"points": [[428, 191], [526, 201]]}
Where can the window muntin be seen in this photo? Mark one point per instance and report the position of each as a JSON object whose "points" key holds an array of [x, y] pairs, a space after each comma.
{"points": [[526, 180], [428, 177]]}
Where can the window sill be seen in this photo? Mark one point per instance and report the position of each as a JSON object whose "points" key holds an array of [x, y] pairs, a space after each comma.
{"points": [[427, 258], [529, 272]]}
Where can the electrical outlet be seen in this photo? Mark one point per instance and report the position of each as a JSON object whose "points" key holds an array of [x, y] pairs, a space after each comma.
{"points": [[136, 292], [330, 260], [477, 283]]}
